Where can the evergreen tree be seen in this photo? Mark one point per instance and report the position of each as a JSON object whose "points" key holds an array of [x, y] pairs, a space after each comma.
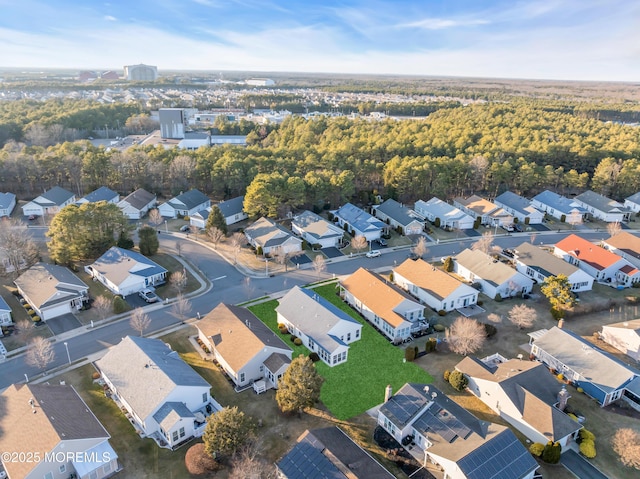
{"points": [[148, 243], [216, 219], [226, 431], [300, 386]]}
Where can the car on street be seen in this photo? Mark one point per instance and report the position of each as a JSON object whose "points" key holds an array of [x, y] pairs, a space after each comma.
{"points": [[149, 296], [185, 229], [509, 228], [374, 253]]}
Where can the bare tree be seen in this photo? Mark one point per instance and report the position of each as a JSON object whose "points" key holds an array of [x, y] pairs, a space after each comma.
{"points": [[25, 329], [139, 320], [523, 316], [237, 241], [626, 444], [484, 244], [179, 248], [103, 306], [155, 218], [420, 248], [532, 238], [179, 280], [40, 353], [215, 235], [359, 243], [494, 318], [466, 336], [247, 464], [282, 257], [319, 265], [614, 228], [181, 308], [195, 230], [16, 247]]}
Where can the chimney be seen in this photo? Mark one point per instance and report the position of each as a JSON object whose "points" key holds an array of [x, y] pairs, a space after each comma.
{"points": [[388, 392], [563, 397], [561, 323]]}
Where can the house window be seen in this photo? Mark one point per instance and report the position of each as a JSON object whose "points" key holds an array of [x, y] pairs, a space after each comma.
{"points": [[182, 433], [175, 436], [262, 368], [63, 468], [348, 336], [357, 333], [241, 377], [48, 475], [205, 396]]}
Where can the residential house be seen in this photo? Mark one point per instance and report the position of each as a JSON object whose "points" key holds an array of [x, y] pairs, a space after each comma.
{"points": [[598, 262], [163, 397], [247, 350], [358, 222], [5, 314], [524, 394], [7, 204], [625, 245], [624, 336], [559, 207], [450, 217], [101, 194], [126, 272], [491, 275], [233, 210], [52, 290], [137, 204], [433, 287], [383, 304], [49, 202], [539, 265], [323, 328], [520, 208], [199, 218], [633, 203], [52, 420], [329, 453], [315, 230], [598, 373], [185, 204], [489, 213], [603, 208], [399, 216], [443, 433], [271, 237]]}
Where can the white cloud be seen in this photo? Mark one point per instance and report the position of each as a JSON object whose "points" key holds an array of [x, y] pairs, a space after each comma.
{"points": [[110, 18], [442, 23]]}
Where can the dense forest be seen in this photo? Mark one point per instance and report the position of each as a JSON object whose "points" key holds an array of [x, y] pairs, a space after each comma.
{"points": [[524, 146]]}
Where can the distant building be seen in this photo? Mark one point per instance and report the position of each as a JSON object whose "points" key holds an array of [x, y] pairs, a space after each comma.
{"points": [[87, 76], [141, 72], [110, 75], [173, 122], [260, 82]]}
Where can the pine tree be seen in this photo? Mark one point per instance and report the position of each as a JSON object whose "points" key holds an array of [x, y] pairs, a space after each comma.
{"points": [[148, 243], [300, 386], [216, 219], [226, 431]]}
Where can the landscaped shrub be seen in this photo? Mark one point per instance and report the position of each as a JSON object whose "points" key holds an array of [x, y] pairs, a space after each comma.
{"points": [[586, 435], [35, 319], [430, 345], [573, 416], [489, 329], [198, 462], [579, 389], [436, 223], [442, 312], [552, 452], [409, 354], [314, 357], [439, 328], [293, 338], [557, 314], [498, 298], [588, 449], [458, 380], [560, 377], [391, 276], [95, 375], [536, 449], [298, 342], [448, 264], [30, 311], [563, 218], [119, 305], [446, 375], [479, 302]]}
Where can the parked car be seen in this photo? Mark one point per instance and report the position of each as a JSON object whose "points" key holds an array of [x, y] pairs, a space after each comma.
{"points": [[518, 227], [149, 296], [509, 228], [374, 253], [32, 217], [185, 229], [382, 242]]}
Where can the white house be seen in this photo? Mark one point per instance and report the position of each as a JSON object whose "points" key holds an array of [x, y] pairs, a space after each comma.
{"points": [[5, 314], [101, 194], [524, 394], [50, 202], [488, 212], [163, 397], [539, 265], [52, 290], [322, 327], [633, 203], [520, 208], [137, 204], [493, 276], [358, 222], [7, 204], [601, 264], [603, 208], [625, 245], [233, 210], [185, 204], [450, 216], [389, 309], [624, 336], [52, 421], [434, 287], [271, 237], [443, 433], [248, 351], [399, 216], [126, 272], [199, 218], [559, 207], [316, 230]]}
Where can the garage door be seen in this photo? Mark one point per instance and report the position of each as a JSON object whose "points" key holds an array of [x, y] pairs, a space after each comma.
{"points": [[54, 311]]}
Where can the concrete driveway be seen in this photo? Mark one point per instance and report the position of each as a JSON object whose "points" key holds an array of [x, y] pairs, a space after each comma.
{"points": [[63, 323], [579, 466]]}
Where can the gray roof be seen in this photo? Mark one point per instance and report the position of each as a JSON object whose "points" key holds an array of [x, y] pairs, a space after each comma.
{"points": [[189, 199], [601, 203], [314, 316], [558, 202], [359, 219], [591, 363], [266, 233], [543, 261], [6, 199], [204, 214], [139, 198], [635, 198], [145, 371], [231, 207], [516, 203], [118, 263], [275, 361], [3, 305], [170, 413], [48, 284], [441, 209], [398, 212], [101, 194], [485, 267], [316, 226], [57, 195]]}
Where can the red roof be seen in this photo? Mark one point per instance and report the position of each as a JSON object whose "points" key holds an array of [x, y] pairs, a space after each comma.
{"points": [[588, 252]]}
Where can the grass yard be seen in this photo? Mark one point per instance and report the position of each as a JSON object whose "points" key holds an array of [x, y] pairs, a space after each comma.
{"points": [[358, 385]]}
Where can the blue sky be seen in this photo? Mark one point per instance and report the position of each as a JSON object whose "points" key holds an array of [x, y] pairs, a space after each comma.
{"points": [[547, 39]]}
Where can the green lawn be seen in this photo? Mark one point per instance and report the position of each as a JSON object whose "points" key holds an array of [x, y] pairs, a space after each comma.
{"points": [[358, 385]]}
